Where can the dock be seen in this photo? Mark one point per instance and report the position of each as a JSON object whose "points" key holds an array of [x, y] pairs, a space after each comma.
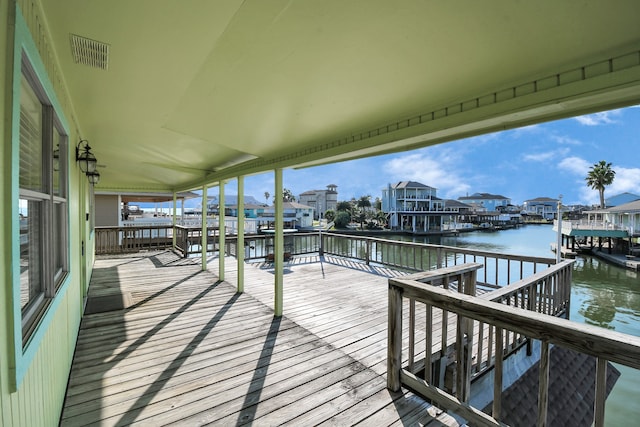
{"points": [[630, 262]]}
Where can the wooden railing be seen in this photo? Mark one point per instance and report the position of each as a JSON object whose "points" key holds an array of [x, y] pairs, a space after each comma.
{"points": [[189, 239], [501, 316], [497, 270], [260, 246], [113, 240]]}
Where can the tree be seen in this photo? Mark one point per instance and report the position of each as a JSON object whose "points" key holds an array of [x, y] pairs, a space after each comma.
{"points": [[360, 217], [329, 215], [377, 204], [381, 218], [343, 206], [266, 196], [363, 203], [287, 195], [600, 175], [342, 219]]}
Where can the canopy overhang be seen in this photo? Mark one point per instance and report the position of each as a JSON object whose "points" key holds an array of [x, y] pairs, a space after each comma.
{"points": [[196, 92]]}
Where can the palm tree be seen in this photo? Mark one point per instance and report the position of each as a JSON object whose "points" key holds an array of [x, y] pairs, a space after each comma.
{"points": [[343, 206], [266, 196], [600, 175], [363, 203]]}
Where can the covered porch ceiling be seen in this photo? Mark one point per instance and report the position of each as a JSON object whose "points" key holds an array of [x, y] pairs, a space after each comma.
{"points": [[200, 91]]}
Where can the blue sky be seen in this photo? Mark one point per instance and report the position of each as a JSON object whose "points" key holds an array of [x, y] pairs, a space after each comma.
{"points": [[543, 160]]}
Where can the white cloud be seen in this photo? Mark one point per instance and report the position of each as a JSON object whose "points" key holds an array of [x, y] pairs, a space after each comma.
{"points": [[596, 119], [436, 172], [626, 180], [545, 156], [575, 165], [565, 140], [539, 157]]}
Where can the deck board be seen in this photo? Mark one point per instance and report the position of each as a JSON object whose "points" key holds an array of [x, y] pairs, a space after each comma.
{"points": [[191, 351]]}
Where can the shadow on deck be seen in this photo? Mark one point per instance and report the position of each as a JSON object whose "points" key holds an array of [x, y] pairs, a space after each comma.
{"points": [[189, 350]]}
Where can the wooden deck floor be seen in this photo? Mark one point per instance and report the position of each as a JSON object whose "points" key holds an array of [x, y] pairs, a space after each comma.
{"points": [[189, 350]]}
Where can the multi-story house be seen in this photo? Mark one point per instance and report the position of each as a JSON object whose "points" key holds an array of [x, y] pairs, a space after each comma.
{"points": [[488, 202], [545, 207], [413, 206], [295, 215], [320, 200]]}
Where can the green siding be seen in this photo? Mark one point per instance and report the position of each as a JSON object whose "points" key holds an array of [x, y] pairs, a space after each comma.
{"points": [[33, 382]]}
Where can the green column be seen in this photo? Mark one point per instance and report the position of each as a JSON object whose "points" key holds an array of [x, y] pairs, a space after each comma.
{"points": [[173, 221], [221, 232], [203, 241], [240, 243], [278, 250]]}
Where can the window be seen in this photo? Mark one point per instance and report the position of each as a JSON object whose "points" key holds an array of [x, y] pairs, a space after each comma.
{"points": [[43, 207]]}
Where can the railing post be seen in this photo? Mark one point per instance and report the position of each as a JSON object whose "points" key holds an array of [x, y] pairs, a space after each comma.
{"points": [[601, 392], [497, 375], [543, 384], [464, 340], [394, 334], [367, 251], [439, 257]]}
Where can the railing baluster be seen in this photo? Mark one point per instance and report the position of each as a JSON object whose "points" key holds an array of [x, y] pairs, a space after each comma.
{"points": [[412, 334], [481, 326], [428, 342]]}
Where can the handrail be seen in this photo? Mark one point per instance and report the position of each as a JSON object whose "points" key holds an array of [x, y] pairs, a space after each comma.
{"points": [[111, 240], [498, 269], [472, 313]]}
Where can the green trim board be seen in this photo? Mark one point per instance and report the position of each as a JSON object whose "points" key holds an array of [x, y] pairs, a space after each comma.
{"points": [[23, 356], [620, 234]]}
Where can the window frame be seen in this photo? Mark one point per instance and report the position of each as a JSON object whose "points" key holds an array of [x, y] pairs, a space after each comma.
{"points": [[26, 336], [49, 243]]}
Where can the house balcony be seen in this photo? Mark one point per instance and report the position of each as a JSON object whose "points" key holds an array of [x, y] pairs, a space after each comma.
{"points": [[598, 228], [163, 342]]}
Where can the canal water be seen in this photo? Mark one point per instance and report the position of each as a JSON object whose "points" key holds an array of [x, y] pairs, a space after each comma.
{"points": [[602, 294]]}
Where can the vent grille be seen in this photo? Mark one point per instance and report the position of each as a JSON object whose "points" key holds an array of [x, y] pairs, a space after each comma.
{"points": [[90, 52]]}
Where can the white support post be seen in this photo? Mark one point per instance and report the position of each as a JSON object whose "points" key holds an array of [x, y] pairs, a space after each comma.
{"points": [[221, 232], [278, 249], [240, 244]]}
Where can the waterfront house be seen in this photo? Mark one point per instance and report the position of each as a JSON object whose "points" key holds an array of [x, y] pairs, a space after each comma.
{"points": [[252, 207], [544, 208], [620, 199], [320, 200], [625, 216], [412, 206], [165, 96], [294, 215], [490, 202], [619, 225]]}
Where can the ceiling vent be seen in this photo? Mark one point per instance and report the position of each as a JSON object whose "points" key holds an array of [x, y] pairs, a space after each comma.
{"points": [[90, 52]]}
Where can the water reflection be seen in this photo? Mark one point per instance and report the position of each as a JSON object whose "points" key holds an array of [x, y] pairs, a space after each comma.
{"points": [[606, 296]]}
